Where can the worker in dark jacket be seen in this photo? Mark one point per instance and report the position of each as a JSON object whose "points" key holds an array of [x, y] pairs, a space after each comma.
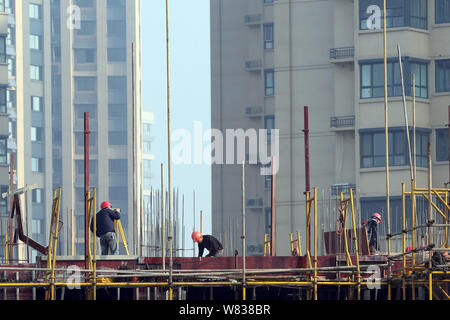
{"points": [[210, 243], [105, 228], [372, 229]]}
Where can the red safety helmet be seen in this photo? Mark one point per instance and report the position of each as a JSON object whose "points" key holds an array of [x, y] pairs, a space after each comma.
{"points": [[409, 249], [196, 236], [377, 215], [105, 204]]}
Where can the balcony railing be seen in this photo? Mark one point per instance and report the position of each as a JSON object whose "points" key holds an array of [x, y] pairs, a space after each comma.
{"points": [[254, 111], [336, 189], [343, 122], [342, 53], [252, 19], [253, 65]]}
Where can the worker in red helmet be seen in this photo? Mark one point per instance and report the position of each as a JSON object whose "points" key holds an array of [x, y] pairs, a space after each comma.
{"points": [[105, 228], [372, 230], [208, 242]]}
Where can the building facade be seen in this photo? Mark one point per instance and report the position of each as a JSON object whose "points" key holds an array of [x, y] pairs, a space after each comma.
{"points": [[328, 55], [67, 58], [5, 114]]}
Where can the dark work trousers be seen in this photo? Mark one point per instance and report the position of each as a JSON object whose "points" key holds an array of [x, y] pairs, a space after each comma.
{"points": [[108, 242]]}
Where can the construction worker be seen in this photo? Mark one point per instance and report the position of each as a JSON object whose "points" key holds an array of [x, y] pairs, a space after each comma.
{"points": [[372, 229], [105, 228], [210, 243]]}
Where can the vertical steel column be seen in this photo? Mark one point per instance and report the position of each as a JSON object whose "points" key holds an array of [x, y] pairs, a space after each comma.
{"points": [[273, 211], [86, 190], [244, 292], [11, 220], [307, 168]]}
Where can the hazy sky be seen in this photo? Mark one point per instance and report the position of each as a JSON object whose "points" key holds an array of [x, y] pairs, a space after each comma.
{"points": [[190, 92]]}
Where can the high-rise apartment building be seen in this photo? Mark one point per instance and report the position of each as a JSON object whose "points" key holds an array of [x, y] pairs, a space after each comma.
{"points": [[4, 133], [67, 58], [282, 55]]}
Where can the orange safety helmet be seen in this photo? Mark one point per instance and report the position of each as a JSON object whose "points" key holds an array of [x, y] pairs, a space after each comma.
{"points": [[196, 236], [105, 204]]}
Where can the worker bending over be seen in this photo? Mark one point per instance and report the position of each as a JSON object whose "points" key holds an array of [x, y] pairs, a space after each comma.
{"points": [[105, 228], [210, 243], [372, 231]]}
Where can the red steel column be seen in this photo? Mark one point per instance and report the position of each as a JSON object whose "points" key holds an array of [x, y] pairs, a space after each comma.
{"points": [[86, 189], [273, 221]]}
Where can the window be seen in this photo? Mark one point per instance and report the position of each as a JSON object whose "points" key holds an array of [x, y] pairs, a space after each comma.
{"points": [[11, 38], [36, 227], [79, 166], [11, 99], [117, 83], [37, 165], [118, 193], [373, 147], [11, 67], [85, 83], [268, 36], [378, 204], [268, 1], [146, 147], [400, 13], [4, 201], [372, 78], [268, 182], [37, 134], [85, 3], [35, 42], [117, 111], [35, 11], [442, 145], [87, 28], [442, 75], [117, 28], [117, 138], [269, 125], [3, 150], [269, 83], [35, 72], [85, 55], [116, 3], [12, 129], [36, 104], [117, 54], [442, 8], [3, 99], [2, 49], [118, 166], [37, 196]]}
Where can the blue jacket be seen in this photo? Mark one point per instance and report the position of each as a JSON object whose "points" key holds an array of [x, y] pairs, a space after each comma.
{"points": [[105, 221]]}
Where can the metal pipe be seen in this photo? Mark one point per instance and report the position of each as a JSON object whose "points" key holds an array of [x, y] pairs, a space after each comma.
{"points": [[163, 220], [273, 210], [404, 240], [86, 189], [169, 187], [11, 220], [430, 207], [315, 244], [405, 112], [386, 126], [355, 239], [244, 296], [307, 165]]}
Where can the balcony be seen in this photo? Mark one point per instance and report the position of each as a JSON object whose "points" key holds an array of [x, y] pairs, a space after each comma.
{"points": [[253, 19], [336, 189], [253, 65], [255, 203], [343, 123], [342, 55], [254, 112]]}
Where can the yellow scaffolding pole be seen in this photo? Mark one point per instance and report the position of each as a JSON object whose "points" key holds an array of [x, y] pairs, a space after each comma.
{"points": [[296, 245], [355, 239], [315, 245], [266, 245]]}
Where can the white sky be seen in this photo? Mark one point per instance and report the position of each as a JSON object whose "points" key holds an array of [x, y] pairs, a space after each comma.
{"points": [[190, 92]]}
